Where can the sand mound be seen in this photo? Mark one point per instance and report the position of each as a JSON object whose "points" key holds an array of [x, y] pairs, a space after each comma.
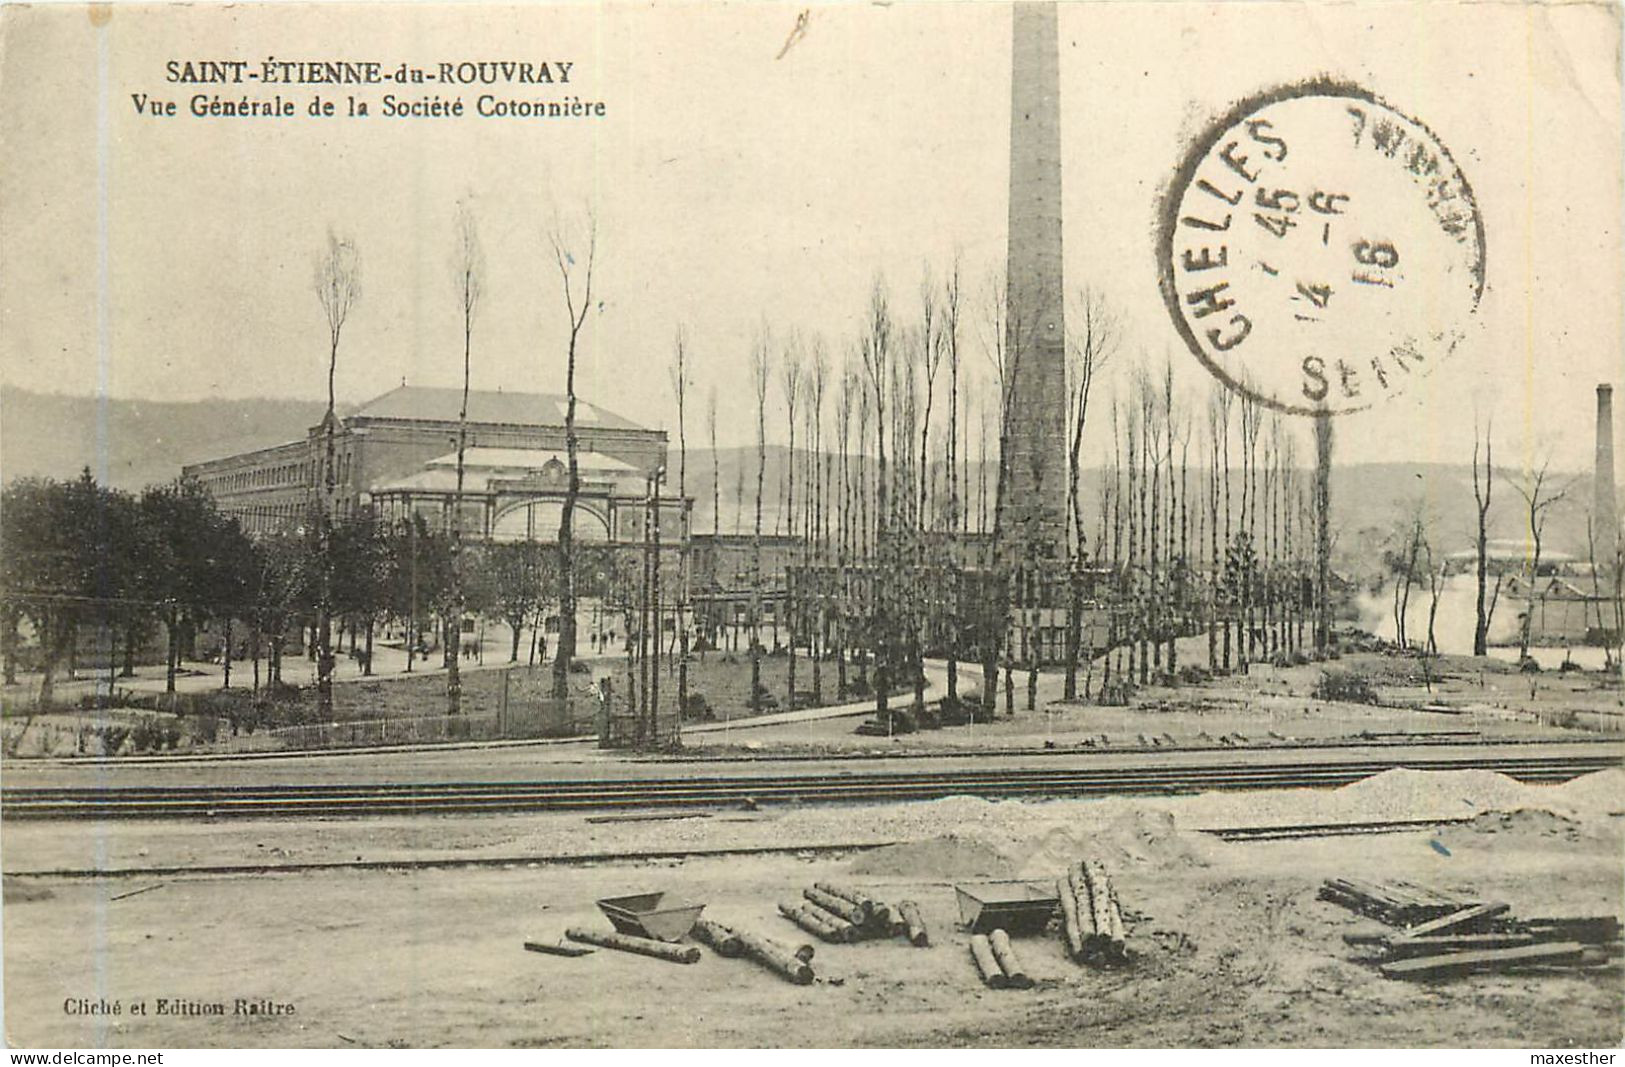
{"points": [[17, 891], [1600, 792], [948, 856], [1134, 838], [1403, 793]]}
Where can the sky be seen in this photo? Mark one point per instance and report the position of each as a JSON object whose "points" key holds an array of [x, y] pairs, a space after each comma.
{"points": [[749, 179]]}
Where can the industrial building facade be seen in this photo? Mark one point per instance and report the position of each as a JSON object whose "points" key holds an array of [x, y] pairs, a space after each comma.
{"points": [[397, 455]]}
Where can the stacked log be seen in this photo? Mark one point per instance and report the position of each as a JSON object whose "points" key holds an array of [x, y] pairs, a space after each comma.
{"points": [[873, 910], [1071, 926], [1444, 937], [996, 961], [818, 922], [1092, 919], [852, 914], [835, 905], [981, 953], [1394, 903], [1005, 954]]}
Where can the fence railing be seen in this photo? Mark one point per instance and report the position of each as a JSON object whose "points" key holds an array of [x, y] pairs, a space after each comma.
{"points": [[516, 723]]}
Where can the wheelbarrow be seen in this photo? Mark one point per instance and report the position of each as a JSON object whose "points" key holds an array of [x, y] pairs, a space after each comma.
{"points": [[1016, 907], [656, 915]]}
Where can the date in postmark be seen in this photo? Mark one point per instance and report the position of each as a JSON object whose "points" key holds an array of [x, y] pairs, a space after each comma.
{"points": [[1318, 249]]}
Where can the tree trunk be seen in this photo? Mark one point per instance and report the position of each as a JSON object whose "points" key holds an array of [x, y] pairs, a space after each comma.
{"points": [[1074, 630], [172, 652], [128, 670], [1323, 535], [790, 626]]}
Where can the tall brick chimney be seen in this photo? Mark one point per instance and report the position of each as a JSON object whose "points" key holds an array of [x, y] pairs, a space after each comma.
{"points": [[1032, 511], [1604, 509]]}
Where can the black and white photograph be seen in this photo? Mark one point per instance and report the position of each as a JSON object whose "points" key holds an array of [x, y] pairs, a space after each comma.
{"points": [[900, 525]]}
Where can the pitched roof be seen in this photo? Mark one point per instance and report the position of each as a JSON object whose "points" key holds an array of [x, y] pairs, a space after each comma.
{"points": [[532, 459], [486, 405]]}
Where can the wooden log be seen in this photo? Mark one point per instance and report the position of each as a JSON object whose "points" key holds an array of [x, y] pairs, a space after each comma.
{"points": [[776, 958], [725, 941], [1462, 920], [1114, 932], [1402, 948], [872, 908], [552, 949], [1070, 928], [1082, 900], [1005, 954], [1100, 892], [1592, 957], [642, 946], [988, 967], [804, 917], [1448, 964], [1589, 929], [835, 905], [914, 925], [853, 932]]}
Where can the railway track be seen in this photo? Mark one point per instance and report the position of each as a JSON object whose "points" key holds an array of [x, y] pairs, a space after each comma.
{"points": [[283, 801]]}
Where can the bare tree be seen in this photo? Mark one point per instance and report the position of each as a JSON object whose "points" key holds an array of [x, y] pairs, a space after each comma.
{"points": [[876, 350], [954, 522], [1323, 532], [1483, 487], [338, 288], [679, 388], [1090, 345], [716, 462], [817, 529], [761, 371], [1407, 541], [468, 278], [576, 277], [1538, 498], [790, 382]]}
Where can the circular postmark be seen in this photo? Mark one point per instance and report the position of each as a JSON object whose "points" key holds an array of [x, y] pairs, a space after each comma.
{"points": [[1318, 249]]}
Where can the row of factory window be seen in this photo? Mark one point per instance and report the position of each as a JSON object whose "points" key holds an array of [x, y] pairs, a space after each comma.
{"points": [[271, 477], [262, 518], [263, 478]]}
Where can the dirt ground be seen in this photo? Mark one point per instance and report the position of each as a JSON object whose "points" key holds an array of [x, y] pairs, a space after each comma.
{"points": [[1459, 697], [1231, 947]]}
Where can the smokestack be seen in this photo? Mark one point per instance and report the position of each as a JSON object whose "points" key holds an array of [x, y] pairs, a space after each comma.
{"points": [[1604, 510]]}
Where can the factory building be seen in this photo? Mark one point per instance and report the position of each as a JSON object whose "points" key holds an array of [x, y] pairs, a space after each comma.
{"points": [[397, 454]]}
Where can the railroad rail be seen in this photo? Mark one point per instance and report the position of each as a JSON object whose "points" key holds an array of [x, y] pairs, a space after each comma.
{"points": [[325, 800]]}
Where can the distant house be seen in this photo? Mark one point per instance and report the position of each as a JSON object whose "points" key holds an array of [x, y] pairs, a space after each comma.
{"points": [[1509, 557], [1567, 610]]}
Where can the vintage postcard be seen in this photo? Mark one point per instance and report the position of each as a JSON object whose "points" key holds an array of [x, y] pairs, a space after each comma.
{"points": [[720, 524]]}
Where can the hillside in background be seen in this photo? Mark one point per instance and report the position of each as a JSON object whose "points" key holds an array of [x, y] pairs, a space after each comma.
{"points": [[147, 441], [139, 441]]}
